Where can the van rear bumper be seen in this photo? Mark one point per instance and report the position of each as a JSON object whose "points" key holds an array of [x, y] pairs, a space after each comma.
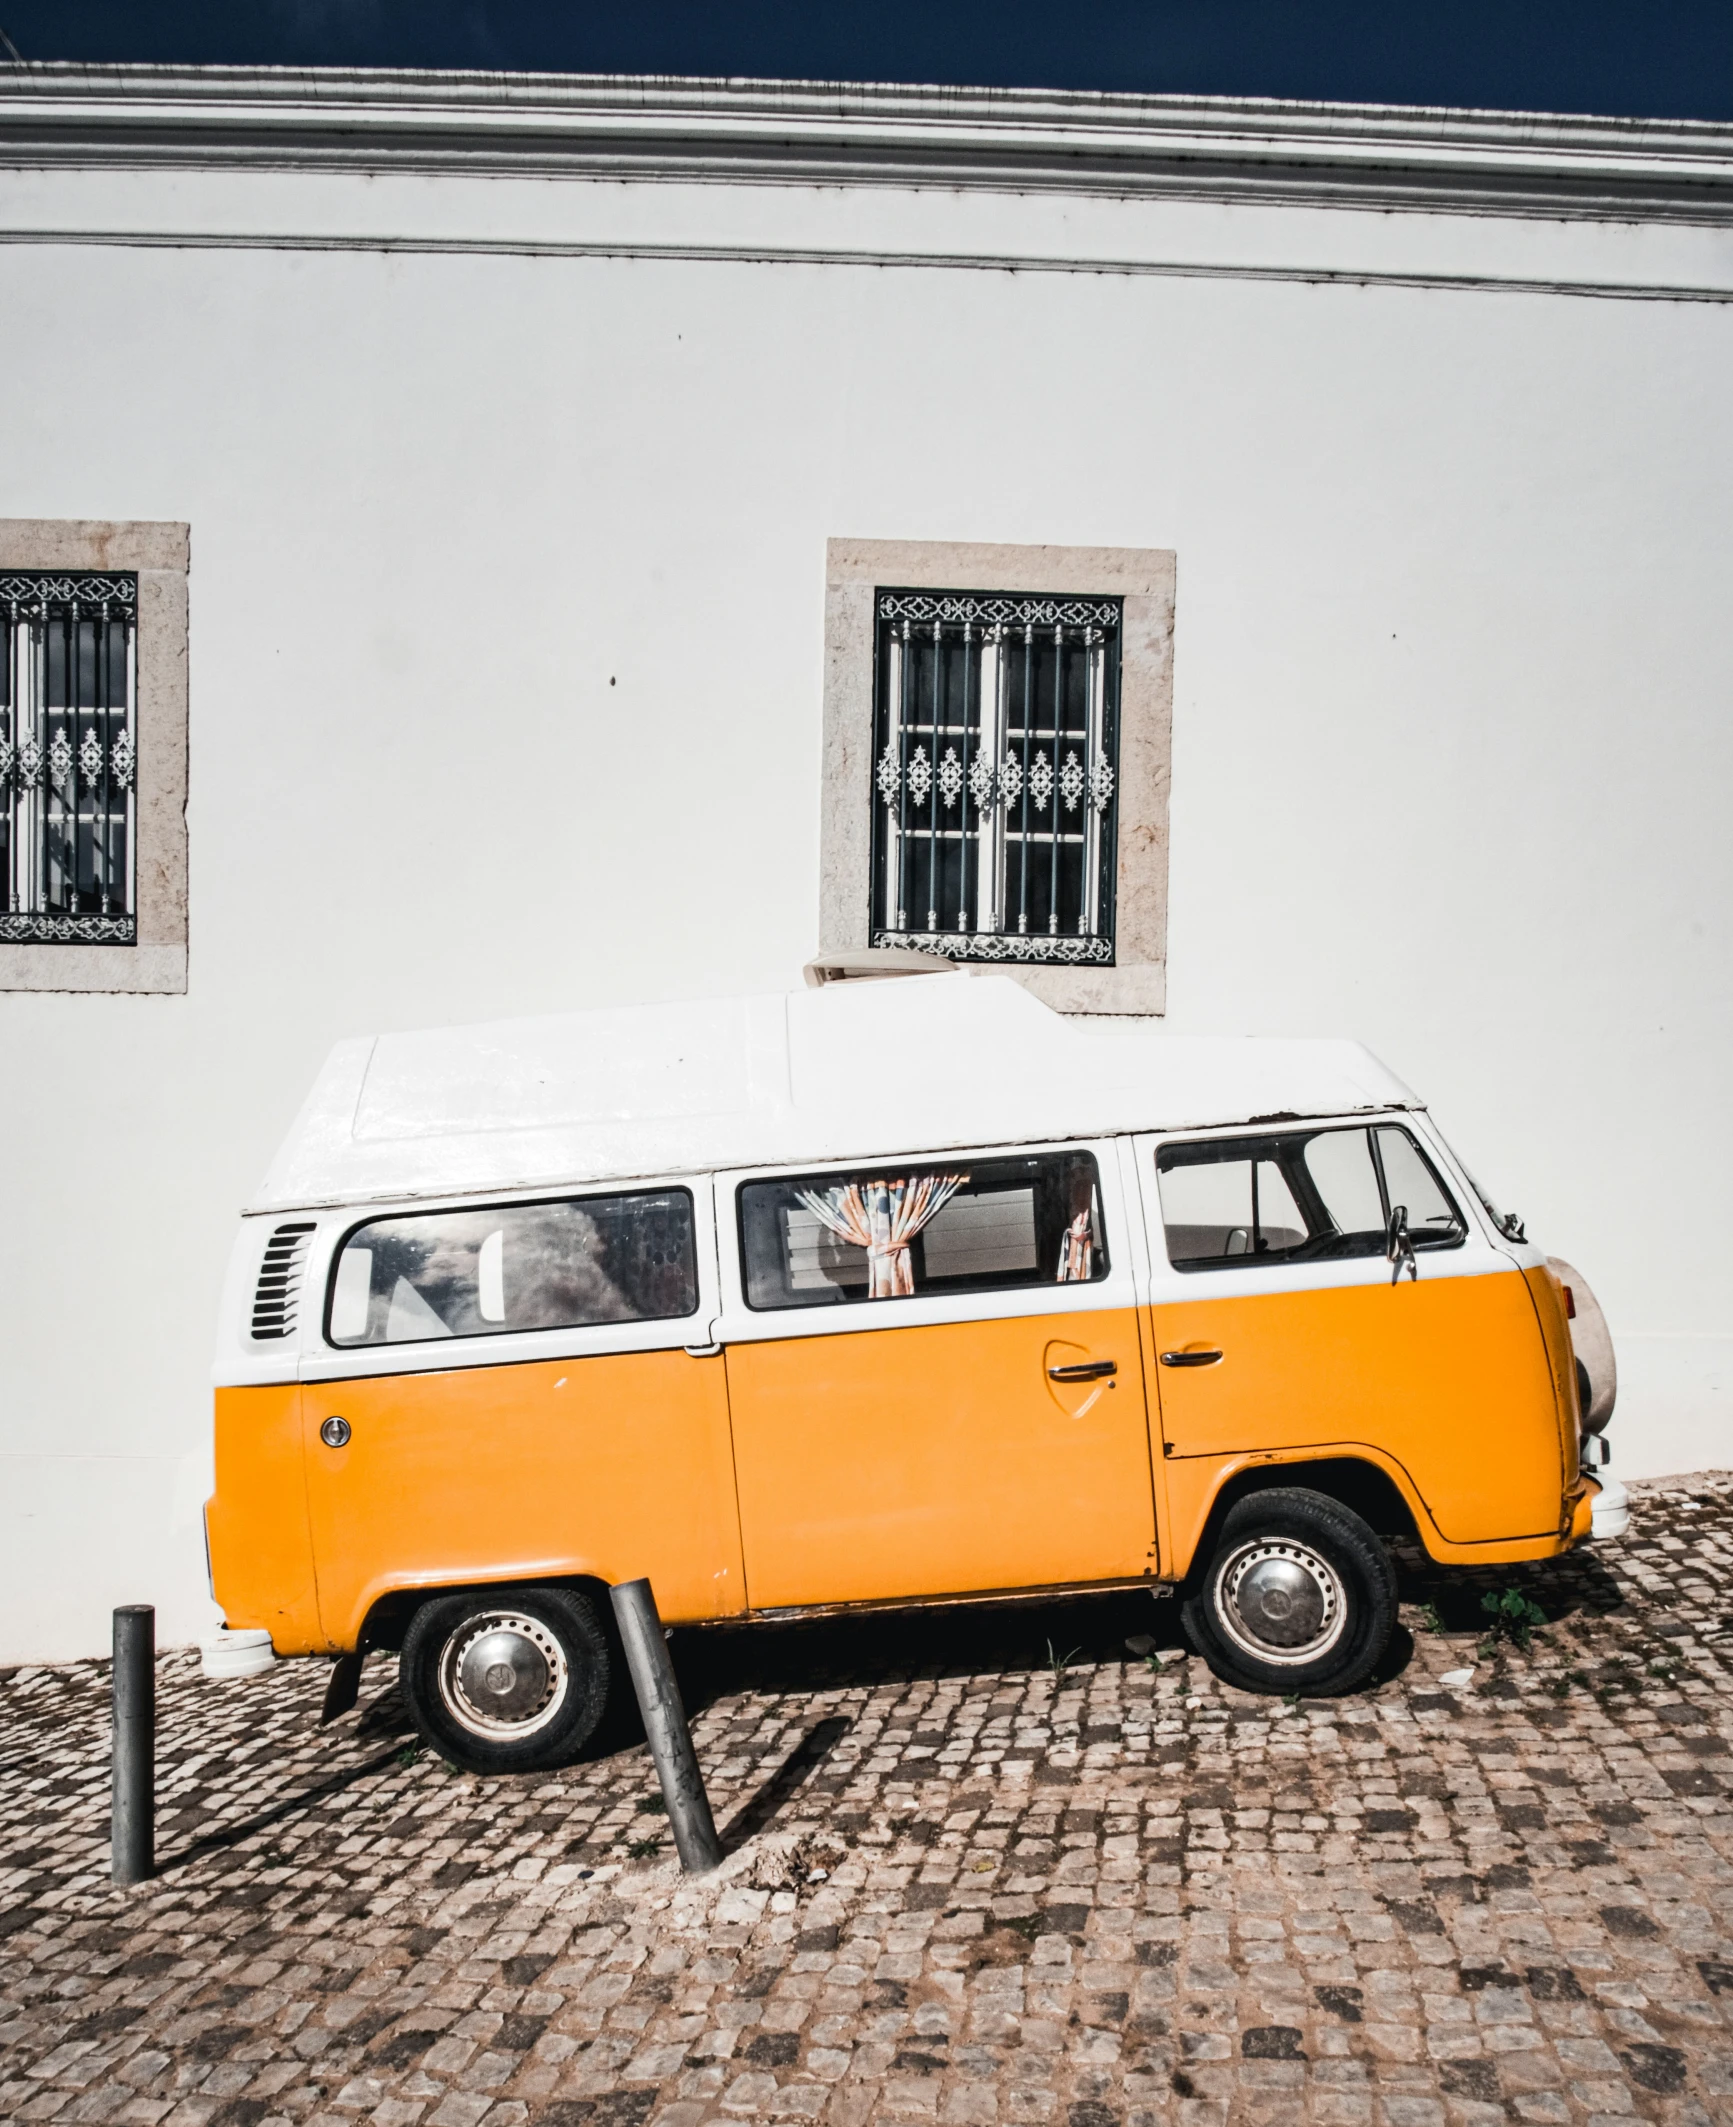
{"points": [[1611, 1510]]}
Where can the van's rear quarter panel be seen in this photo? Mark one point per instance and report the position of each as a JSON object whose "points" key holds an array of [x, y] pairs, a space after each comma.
{"points": [[616, 1466], [261, 1545], [1548, 1295]]}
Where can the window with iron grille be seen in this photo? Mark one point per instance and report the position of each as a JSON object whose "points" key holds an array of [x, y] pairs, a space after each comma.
{"points": [[68, 758], [995, 753]]}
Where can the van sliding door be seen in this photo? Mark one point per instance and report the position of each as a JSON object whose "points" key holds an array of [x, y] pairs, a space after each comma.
{"points": [[934, 1378]]}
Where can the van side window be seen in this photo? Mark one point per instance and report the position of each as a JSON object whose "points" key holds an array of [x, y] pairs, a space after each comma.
{"points": [[513, 1267], [1303, 1196], [890, 1230]]}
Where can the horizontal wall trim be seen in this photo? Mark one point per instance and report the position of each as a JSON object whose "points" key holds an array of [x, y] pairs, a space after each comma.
{"points": [[1218, 148], [951, 262]]}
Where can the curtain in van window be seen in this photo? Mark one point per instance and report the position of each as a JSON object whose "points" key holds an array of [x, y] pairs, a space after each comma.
{"points": [[883, 1217], [1077, 1251]]}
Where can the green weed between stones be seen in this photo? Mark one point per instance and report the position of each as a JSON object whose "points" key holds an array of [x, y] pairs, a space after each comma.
{"points": [[1514, 1617]]}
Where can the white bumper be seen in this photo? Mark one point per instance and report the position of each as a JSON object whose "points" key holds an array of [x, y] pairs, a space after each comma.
{"points": [[1612, 1509], [227, 1655]]}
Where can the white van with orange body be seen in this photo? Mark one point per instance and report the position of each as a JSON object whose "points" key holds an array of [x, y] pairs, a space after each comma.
{"points": [[888, 1292]]}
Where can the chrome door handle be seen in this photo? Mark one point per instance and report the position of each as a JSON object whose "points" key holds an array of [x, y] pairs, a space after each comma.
{"points": [[1190, 1358], [335, 1432], [1090, 1370]]}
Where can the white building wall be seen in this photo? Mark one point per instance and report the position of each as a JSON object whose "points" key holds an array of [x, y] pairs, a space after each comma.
{"points": [[506, 663]]}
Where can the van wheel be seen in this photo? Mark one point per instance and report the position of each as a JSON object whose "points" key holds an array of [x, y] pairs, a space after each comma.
{"points": [[1299, 1596], [510, 1682]]}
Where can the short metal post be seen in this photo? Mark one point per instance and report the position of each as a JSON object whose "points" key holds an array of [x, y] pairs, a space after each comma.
{"points": [[133, 1821], [665, 1726]]}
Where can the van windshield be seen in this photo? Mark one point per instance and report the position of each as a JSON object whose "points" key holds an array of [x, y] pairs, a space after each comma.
{"points": [[1300, 1196], [507, 1267], [1509, 1223]]}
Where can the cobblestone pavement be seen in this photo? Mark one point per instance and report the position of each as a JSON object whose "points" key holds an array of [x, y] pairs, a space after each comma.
{"points": [[987, 1865]]}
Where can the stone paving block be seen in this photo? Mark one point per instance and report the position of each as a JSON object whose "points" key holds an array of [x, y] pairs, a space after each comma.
{"points": [[1123, 1897]]}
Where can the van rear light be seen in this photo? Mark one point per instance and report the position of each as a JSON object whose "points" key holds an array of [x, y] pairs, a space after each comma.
{"points": [[1570, 1304], [280, 1282]]}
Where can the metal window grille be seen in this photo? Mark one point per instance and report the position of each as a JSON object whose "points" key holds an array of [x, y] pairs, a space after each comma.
{"points": [[995, 758], [68, 759]]}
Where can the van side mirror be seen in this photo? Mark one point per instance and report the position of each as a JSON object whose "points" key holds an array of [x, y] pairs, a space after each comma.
{"points": [[1398, 1247]]}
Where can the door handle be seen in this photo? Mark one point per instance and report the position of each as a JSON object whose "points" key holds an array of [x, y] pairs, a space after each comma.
{"points": [[1090, 1370], [1190, 1358], [335, 1432]]}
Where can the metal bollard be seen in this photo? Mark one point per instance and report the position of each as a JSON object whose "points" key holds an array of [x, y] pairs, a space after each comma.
{"points": [[133, 1819], [665, 1726]]}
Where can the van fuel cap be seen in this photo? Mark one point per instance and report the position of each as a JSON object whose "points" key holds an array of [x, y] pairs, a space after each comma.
{"points": [[335, 1432]]}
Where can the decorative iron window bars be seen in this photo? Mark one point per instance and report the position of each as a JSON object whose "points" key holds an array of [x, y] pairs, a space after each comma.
{"points": [[995, 755], [68, 758]]}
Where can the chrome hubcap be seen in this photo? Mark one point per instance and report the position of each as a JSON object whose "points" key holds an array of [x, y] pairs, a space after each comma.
{"points": [[503, 1675], [1281, 1601]]}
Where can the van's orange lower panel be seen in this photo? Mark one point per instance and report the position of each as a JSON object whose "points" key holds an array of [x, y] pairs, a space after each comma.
{"points": [[261, 1547], [616, 1466], [1194, 1482], [899, 1462], [1448, 1377]]}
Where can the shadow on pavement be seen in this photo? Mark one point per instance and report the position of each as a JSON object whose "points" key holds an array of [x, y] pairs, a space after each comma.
{"points": [[993, 1639], [230, 1835], [762, 1809], [1573, 1586]]}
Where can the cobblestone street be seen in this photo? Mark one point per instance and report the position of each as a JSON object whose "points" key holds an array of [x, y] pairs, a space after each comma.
{"points": [[985, 1865]]}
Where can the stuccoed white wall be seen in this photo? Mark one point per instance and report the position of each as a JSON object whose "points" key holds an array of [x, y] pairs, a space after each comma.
{"points": [[506, 647]]}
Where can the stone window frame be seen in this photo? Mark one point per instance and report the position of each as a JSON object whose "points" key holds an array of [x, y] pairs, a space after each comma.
{"points": [[158, 554], [1144, 578]]}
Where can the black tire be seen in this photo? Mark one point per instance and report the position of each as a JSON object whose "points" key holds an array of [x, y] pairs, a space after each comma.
{"points": [[1297, 1596], [529, 1701]]}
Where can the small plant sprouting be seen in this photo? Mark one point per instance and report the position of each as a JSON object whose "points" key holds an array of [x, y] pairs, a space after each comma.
{"points": [[1514, 1617], [1156, 1664], [653, 1806], [1059, 1663], [409, 1753], [1617, 1675], [1430, 1621], [642, 1849]]}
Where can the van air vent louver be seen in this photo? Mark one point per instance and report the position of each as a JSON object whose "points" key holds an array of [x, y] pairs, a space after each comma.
{"points": [[279, 1282]]}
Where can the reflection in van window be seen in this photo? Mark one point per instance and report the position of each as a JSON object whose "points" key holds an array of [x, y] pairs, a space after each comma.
{"points": [[1304, 1196], [515, 1267], [894, 1231]]}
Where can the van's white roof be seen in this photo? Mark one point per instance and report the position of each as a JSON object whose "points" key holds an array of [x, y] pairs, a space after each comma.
{"points": [[856, 1070]]}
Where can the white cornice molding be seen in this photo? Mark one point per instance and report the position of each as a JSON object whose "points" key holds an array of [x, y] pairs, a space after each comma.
{"points": [[747, 253], [1217, 148]]}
